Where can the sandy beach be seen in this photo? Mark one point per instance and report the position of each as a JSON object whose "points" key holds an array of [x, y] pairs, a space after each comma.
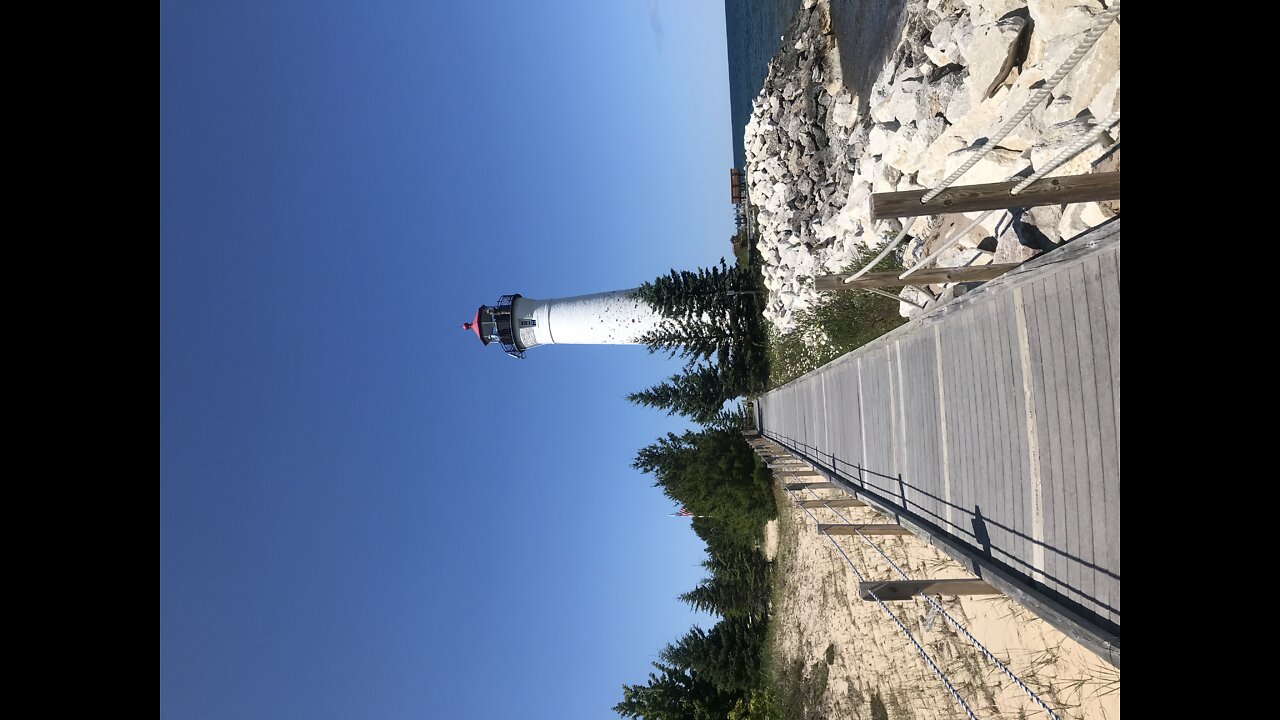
{"points": [[873, 671]]}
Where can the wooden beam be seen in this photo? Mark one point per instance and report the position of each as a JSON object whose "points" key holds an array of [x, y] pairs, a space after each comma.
{"points": [[879, 529], [811, 486], [833, 502], [995, 196], [804, 474], [928, 276], [907, 589]]}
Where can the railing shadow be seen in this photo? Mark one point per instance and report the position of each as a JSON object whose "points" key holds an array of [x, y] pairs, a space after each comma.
{"points": [[971, 526]]}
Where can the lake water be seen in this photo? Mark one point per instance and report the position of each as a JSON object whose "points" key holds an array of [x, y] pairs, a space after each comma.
{"points": [[867, 30]]}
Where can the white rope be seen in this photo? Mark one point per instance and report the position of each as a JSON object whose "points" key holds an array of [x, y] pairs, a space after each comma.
{"points": [[891, 296], [1100, 26], [906, 228], [937, 607], [946, 245], [955, 694], [1089, 138], [1067, 153]]}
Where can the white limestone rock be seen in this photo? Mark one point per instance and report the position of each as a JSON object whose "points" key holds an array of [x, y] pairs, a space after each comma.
{"points": [[907, 310], [1059, 111], [1094, 73], [844, 113], [1080, 217], [987, 11], [991, 52], [1058, 24], [878, 140], [1107, 99], [995, 166], [942, 48], [914, 150], [908, 99], [1061, 136]]}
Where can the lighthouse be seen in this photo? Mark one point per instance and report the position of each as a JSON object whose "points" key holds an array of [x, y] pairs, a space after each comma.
{"points": [[517, 323]]}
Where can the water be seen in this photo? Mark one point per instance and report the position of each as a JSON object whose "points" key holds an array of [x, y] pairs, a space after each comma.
{"points": [[867, 30], [753, 29]]}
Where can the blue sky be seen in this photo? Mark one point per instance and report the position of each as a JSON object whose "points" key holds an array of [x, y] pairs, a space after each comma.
{"points": [[363, 512]]}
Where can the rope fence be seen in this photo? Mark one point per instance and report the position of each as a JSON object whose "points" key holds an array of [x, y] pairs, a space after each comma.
{"points": [[932, 606], [1090, 38]]}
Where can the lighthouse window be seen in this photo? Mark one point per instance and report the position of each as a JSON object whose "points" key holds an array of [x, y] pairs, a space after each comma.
{"points": [[528, 322]]}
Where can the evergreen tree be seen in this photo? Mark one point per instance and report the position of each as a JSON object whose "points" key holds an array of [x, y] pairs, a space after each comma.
{"points": [[712, 472], [728, 656], [674, 694], [712, 315], [698, 394], [737, 586]]}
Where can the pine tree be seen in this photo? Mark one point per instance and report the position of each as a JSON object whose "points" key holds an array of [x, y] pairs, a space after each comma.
{"points": [[698, 394], [712, 472], [676, 693], [711, 316]]}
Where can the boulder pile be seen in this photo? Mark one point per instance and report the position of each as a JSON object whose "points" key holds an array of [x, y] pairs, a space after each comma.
{"points": [[815, 152]]}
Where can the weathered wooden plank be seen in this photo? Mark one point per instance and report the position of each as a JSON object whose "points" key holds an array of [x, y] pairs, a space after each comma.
{"points": [[1096, 379], [1018, 472], [879, 427], [851, 436], [1046, 428], [1080, 544], [837, 412], [868, 529], [995, 483], [954, 349], [862, 425], [898, 590], [824, 485], [993, 499], [1095, 396], [1056, 392], [929, 276], [926, 471], [994, 196], [1075, 422], [915, 446], [846, 502], [966, 497], [894, 462], [977, 475], [1109, 280], [944, 434]]}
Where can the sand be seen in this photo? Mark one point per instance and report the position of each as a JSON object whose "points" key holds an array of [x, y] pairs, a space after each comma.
{"points": [[875, 671]]}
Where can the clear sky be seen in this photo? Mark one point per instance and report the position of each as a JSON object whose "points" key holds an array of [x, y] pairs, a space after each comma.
{"points": [[363, 512]]}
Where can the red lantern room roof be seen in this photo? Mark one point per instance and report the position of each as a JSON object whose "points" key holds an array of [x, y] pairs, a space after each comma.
{"points": [[474, 326]]}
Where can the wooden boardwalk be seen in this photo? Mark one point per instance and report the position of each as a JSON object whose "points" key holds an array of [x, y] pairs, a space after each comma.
{"points": [[992, 426]]}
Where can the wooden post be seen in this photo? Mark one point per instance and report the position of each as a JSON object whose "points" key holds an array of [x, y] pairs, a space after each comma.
{"points": [[928, 276], [833, 502], [879, 529], [995, 196], [811, 486], [907, 589]]}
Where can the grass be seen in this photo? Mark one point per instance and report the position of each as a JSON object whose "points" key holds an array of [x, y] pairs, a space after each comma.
{"points": [[846, 320]]}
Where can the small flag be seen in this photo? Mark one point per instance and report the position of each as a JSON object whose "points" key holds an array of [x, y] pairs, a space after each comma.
{"points": [[686, 513]]}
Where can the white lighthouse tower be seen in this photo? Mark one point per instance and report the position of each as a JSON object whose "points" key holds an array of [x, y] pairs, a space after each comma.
{"points": [[518, 323]]}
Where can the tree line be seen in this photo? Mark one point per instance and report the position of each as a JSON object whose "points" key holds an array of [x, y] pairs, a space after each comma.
{"points": [[713, 320]]}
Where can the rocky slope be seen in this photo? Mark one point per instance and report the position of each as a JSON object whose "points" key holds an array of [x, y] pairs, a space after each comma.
{"points": [[815, 152]]}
